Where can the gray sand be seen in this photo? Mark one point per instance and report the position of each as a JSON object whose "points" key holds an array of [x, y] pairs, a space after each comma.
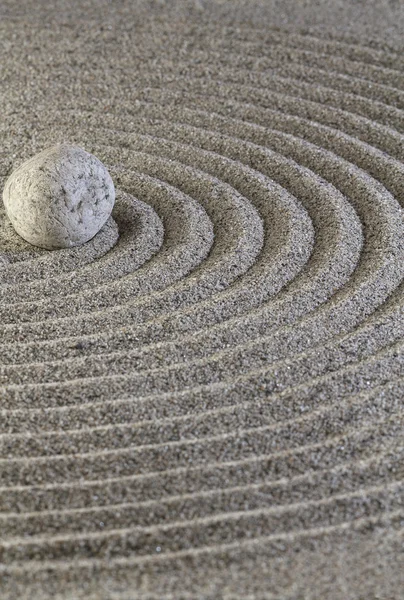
{"points": [[205, 401]]}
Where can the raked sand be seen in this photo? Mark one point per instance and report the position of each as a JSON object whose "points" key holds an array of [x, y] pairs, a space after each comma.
{"points": [[205, 401]]}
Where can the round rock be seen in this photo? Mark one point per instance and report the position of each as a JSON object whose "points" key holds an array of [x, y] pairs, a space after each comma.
{"points": [[59, 198]]}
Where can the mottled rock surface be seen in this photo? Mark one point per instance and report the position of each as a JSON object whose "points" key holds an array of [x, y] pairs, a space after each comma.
{"points": [[59, 198]]}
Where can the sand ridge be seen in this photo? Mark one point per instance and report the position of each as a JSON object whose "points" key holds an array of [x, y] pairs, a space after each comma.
{"points": [[205, 401]]}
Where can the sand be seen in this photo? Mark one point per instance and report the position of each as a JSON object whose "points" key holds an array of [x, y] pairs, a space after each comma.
{"points": [[205, 401]]}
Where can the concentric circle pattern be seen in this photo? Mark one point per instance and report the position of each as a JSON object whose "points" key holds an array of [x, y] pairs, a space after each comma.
{"points": [[206, 400]]}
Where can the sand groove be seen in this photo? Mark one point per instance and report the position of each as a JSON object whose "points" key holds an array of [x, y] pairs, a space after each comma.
{"points": [[219, 373]]}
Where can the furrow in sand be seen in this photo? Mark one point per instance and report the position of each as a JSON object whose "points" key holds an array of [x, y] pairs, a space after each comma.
{"points": [[234, 250], [212, 530], [240, 445], [140, 236], [367, 540], [367, 284], [310, 181], [304, 414], [24, 263], [344, 479], [188, 236], [344, 364], [197, 479], [361, 53], [207, 397]]}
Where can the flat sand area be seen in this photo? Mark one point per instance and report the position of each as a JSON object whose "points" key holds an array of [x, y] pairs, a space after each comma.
{"points": [[205, 401]]}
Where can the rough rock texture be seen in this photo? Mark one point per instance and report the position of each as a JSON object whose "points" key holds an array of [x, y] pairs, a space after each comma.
{"points": [[59, 198]]}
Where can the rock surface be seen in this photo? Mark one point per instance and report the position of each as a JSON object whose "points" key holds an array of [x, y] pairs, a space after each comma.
{"points": [[59, 198]]}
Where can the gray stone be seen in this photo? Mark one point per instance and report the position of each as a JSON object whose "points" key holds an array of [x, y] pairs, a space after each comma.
{"points": [[59, 198]]}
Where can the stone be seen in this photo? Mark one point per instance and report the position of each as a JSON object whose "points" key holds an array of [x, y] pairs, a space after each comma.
{"points": [[59, 198]]}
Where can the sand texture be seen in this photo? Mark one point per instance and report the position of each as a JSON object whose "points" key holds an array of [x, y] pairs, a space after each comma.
{"points": [[205, 401]]}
